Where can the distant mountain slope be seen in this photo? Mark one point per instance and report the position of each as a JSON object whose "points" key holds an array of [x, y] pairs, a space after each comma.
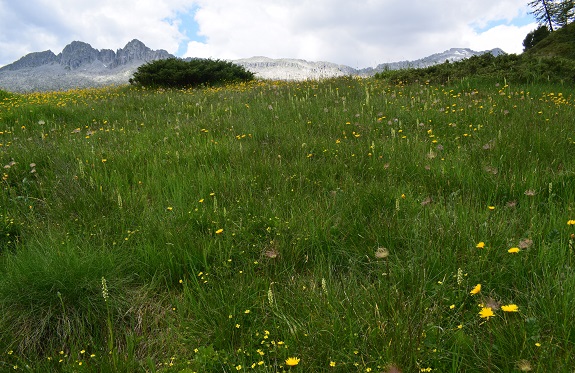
{"points": [[77, 66], [81, 66], [451, 55], [293, 69]]}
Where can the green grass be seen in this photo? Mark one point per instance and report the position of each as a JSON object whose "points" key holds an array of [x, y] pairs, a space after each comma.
{"points": [[558, 43], [238, 226]]}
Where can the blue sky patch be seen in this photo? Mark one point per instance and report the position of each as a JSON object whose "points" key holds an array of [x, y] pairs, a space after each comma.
{"points": [[188, 27], [523, 20]]}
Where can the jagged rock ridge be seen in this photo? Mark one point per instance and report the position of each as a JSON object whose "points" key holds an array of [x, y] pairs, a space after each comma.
{"points": [[77, 54]]}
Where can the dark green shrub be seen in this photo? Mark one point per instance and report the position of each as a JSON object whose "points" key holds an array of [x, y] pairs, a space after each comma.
{"points": [[535, 37], [516, 68], [179, 73]]}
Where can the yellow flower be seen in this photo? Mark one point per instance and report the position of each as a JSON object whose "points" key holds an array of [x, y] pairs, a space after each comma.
{"points": [[570, 222], [513, 250], [480, 245], [486, 313], [510, 308], [476, 289], [491, 208], [332, 363], [219, 231], [292, 361]]}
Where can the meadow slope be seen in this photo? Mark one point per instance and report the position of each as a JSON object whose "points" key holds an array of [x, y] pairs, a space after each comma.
{"points": [[343, 225]]}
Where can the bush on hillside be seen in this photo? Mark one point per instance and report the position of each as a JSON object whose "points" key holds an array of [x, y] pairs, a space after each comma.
{"points": [[559, 43], [517, 68], [179, 73], [4, 94], [535, 37]]}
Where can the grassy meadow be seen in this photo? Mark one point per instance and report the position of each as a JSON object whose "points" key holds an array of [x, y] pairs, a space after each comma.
{"points": [[341, 225]]}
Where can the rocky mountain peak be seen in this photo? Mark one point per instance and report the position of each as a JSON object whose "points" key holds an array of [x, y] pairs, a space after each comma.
{"points": [[76, 54], [32, 60], [135, 44], [135, 50]]}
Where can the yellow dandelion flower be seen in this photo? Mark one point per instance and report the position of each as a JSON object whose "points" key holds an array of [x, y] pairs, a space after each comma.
{"points": [[510, 308], [491, 208], [292, 361], [476, 289], [480, 245], [219, 231], [570, 222], [513, 250], [486, 313], [332, 363]]}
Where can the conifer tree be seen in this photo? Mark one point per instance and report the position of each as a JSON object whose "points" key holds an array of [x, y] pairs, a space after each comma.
{"points": [[543, 12], [553, 13], [564, 12]]}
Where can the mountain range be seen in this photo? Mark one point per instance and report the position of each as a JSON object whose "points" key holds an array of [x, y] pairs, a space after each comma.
{"points": [[81, 66]]}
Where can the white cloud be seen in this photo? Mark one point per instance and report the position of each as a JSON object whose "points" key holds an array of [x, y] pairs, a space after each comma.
{"points": [[359, 33], [38, 25], [507, 37]]}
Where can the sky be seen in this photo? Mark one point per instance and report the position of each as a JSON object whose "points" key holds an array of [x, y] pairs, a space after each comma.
{"points": [[358, 33]]}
